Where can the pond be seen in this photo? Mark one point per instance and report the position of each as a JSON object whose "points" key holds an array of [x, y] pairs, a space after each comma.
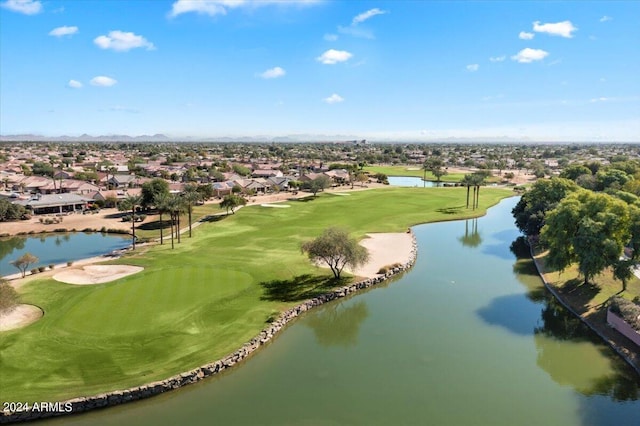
{"points": [[468, 336], [411, 181], [58, 248]]}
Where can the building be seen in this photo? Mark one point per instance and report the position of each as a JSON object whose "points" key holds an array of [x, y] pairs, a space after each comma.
{"points": [[55, 203]]}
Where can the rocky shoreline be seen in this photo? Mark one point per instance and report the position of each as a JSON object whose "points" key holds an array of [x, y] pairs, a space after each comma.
{"points": [[107, 399]]}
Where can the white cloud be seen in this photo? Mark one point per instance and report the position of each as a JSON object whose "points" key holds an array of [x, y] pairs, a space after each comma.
{"points": [[562, 29], [473, 67], [331, 37], [606, 18], [220, 7], [103, 81], [27, 7], [529, 55], [274, 72], [600, 99], [356, 31], [497, 58], [74, 84], [63, 31], [333, 56], [366, 15], [333, 99], [525, 35], [121, 41]]}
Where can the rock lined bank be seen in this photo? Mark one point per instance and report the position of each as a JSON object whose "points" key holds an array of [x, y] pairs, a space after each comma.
{"points": [[81, 404]]}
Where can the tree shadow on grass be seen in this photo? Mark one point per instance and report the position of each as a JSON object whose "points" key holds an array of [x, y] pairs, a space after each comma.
{"points": [[215, 218], [302, 287], [450, 210], [303, 199], [117, 215], [153, 226], [581, 294]]}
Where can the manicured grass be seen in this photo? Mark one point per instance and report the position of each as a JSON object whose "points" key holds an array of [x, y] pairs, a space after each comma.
{"points": [[200, 301], [151, 228], [591, 296]]}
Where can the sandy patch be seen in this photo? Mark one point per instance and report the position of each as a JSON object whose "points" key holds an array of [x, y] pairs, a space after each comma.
{"points": [[280, 206], [339, 193], [96, 274], [384, 249], [20, 316]]}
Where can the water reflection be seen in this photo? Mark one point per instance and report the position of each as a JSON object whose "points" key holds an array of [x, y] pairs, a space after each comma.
{"points": [[471, 238], [338, 324], [8, 245], [566, 348]]}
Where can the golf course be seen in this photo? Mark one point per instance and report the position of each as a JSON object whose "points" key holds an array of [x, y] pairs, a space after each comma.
{"points": [[202, 300]]}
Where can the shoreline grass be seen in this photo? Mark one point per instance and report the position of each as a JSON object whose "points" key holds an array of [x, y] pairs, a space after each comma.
{"points": [[201, 301]]}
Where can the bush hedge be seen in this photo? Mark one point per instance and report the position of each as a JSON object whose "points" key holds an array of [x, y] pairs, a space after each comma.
{"points": [[627, 310]]}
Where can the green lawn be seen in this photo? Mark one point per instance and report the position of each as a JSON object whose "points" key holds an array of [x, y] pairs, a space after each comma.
{"points": [[202, 300], [411, 171]]}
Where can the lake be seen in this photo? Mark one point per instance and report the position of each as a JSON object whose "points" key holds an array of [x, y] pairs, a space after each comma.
{"points": [[411, 181], [468, 336], [57, 248]]}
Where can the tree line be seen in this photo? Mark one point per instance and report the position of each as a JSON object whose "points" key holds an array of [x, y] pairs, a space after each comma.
{"points": [[589, 216]]}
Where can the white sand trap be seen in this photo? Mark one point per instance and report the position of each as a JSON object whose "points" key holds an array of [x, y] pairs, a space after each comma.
{"points": [[340, 193], [96, 274], [20, 316], [413, 168], [280, 206]]}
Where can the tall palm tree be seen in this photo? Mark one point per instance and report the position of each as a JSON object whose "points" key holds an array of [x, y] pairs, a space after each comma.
{"points": [[175, 206], [160, 201], [191, 196], [130, 203], [478, 180], [467, 181]]}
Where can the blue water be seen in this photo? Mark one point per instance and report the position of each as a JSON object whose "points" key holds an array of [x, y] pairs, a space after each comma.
{"points": [[58, 248], [411, 181]]}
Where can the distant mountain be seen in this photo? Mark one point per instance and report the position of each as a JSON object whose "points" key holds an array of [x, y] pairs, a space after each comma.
{"points": [[85, 138]]}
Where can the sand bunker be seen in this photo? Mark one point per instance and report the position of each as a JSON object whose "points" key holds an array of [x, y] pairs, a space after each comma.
{"points": [[280, 206], [340, 193], [20, 316], [96, 274]]}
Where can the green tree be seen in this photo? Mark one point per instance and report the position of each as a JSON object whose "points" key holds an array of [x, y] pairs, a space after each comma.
{"points": [[623, 271], [320, 183], [131, 203], [337, 249], [467, 181], [231, 202], [588, 228], [543, 196], [23, 262], [435, 165], [152, 189], [574, 171]]}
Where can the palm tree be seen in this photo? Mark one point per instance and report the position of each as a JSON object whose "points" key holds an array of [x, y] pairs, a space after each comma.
{"points": [[191, 196], [175, 206], [467, 181], [161, 200], [130, 203], [478, 180]]}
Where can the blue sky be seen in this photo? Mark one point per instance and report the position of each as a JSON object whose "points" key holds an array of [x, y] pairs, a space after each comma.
{"points": [[381, 70]]}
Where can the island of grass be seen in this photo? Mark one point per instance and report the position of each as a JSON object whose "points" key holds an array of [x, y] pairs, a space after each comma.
{"points": [[200, 301]]}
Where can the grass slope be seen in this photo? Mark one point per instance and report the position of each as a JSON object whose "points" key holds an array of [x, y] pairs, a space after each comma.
{"points": [[200, 301]]}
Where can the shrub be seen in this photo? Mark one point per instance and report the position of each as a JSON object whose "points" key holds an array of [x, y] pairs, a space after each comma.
{"points": [[103, 230], [34, 271], [51, 266], [383, 270], [627, 310], [8, 297], [69, 263], [42, 268], [60, 230]]}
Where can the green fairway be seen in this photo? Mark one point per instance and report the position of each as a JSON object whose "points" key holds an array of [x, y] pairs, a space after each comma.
{"points": [[202, 300]]}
